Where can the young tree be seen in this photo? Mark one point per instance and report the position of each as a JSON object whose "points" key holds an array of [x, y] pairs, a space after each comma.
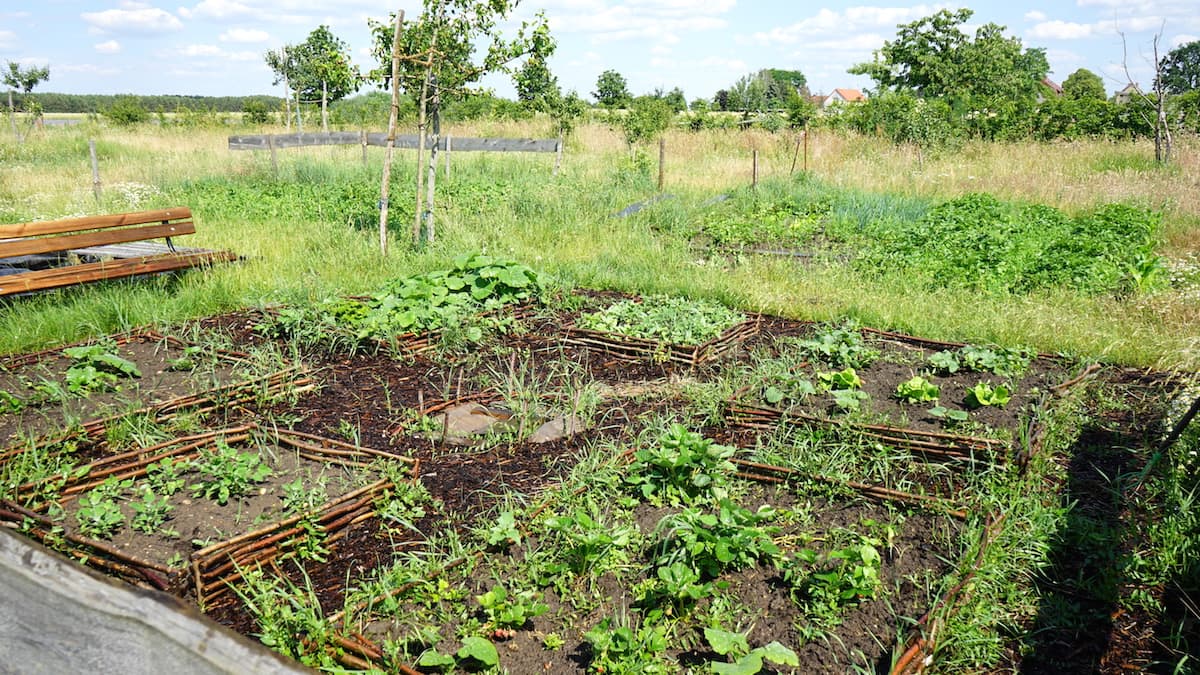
{"points": [[536, 85], [438, 57], [1180, 69], [676, 100], [24, 79], [612, 91], [648, 117], [324, 71], [1083, 84], [282, 62]]}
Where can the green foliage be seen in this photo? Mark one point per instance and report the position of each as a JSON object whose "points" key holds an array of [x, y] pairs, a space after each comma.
{"points": [[99, 515], [24, 79], [748, 221], [612, 91], [837, 346], [126, 111], [505, 610], [979, 243], [624, 651], [825, 584], [710, 543], [318, 69], [10, 403], [849, 400], [843, 379], [504, 531], [150, 511], [949, 415], [477, 651], [1002, 361], [227, 473], [917, 390], [165, 476], [984, 394], [745, 661], [682, 467], [255, 111], [96, 368], [1083, 84], [1180, 69], [299, 498], [660, 317], [536, 86], [647, 118], [586, 542]]}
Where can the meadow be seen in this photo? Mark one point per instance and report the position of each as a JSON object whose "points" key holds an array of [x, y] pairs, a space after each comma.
{"points": [[1065, 276]]}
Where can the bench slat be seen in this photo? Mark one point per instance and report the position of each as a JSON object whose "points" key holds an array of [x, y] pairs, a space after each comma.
{"points": [[108, 269], [45, 227], [11, 249]]}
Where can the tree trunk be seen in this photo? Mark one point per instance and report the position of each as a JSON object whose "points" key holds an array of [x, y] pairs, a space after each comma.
{"points": [[391, 142], [287, 103], [324, 107], [299, 114], [12, 115], [427, 217]]}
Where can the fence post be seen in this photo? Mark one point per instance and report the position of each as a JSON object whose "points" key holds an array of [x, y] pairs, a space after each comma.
{"points": [[558, 153], [362, 137], [662, 155], [274, 157], [95, 170], [754, 171]]}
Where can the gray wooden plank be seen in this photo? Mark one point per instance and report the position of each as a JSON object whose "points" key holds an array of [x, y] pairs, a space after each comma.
{"points": [[404, 142], [57, 616]]}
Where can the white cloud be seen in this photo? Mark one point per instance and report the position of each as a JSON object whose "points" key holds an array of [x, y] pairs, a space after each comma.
{"points": [[850, 21], [86, 69], [8, 39], [1035, 15], [1062, 30], [132, 18], [244, 35], [1183, 39], [109, 47], [662, 20], [217, 9]]}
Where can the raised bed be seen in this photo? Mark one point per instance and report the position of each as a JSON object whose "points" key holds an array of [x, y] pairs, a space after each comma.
{"points": [[49, 511], [638, 349]]}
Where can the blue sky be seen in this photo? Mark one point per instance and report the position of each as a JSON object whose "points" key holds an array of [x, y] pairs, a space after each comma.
{"points": [[215, 47]]}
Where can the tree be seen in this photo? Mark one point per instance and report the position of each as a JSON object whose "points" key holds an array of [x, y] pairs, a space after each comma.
{"points": [[438, 58], [536, 85], [24, 79], [1179, 70], [648, 117], [323, 70], [676, 100], [933, 58], [612, 91], [1083, 84]]}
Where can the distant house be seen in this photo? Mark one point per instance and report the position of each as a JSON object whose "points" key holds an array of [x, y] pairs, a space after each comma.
{"points": [[1126, 94], [842, 96], [1052, 86]]}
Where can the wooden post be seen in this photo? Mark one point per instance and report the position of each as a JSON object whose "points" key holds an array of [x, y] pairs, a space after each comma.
{"points": [[447, 156], [274, 157], [662, 155], [427, 233], [558, 153], [754, 171], [795, 156], [806, 148], [95, 170], [391, 141]]}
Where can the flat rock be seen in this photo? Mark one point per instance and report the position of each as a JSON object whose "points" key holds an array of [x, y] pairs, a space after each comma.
{"points": [[560, 427], [465, 422]]}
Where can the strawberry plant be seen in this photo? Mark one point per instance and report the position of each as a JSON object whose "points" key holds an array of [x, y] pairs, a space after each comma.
{"points": [[732, 538], [227, 473], [505, 610], [624, 650], [984, 394], [670, 319], [917, 390], [150, 511], [827, 583], [682, 466], [974, 359]]}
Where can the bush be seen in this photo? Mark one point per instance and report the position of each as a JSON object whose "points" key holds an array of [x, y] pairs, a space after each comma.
{"points": [[126, 111], [648, 117], [255, 112]]}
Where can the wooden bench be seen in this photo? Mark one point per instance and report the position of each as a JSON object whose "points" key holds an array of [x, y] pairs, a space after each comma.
{"points": [[53, 253]]}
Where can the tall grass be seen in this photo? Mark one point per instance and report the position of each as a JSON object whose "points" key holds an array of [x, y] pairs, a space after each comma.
{"points": [[309, 231]]}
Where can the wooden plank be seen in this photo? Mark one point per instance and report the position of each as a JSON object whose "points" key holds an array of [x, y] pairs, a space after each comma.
{"points": [[402, 142], [133, 249], [45, 227], [65, 618], [109, 269], [16, 247]]}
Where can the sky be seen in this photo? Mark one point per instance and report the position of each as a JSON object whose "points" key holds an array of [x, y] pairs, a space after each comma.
{"points": [[216, 47]]}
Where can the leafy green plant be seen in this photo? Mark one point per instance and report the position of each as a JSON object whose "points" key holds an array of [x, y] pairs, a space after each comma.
{"points": [[849, 400], [827, 583], [96, 368], [844, 379], [984, 394], [917, 390], [745, 661], [165, 476], [945, 361], [504, 531], [838, 346], [99, 515], [150, 511], [227, 473], [587, 542], [673, 589], [624, 650], [299, 497], [949, 415], [505, 610], [975, 359], [10, 403], [681, 467], [669, 319], [478, 652], [792, 390], [187, 361], [732, 538]]}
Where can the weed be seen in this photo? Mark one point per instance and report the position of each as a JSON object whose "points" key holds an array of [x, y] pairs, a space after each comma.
{"points": [[227, 473], [743, 660], [510, 610], [99, 515], [669, 319], [682, 466]]}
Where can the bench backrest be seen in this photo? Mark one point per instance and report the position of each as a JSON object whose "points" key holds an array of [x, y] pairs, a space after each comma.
{"points": [[49, 236]]}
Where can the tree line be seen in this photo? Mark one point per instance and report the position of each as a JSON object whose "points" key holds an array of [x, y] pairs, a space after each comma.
{"points": [[98, 103]]}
